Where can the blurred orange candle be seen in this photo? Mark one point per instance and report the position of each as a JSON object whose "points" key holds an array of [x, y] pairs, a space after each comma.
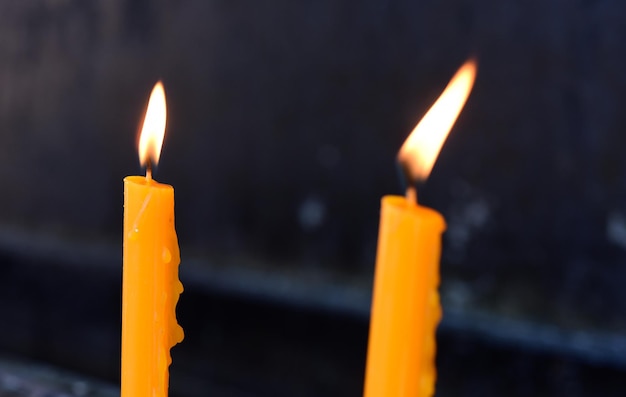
{"points": [[150, 277], [405, 303]]}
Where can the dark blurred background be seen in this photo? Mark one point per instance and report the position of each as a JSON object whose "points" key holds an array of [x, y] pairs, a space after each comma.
{"points": [[284, 121]]}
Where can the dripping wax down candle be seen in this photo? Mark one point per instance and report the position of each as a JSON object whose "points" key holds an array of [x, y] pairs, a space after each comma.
{"points": [[405, 303], [150, 287]]}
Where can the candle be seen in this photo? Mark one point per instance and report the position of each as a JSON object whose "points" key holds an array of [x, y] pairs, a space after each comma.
{"points": [[405, 303], [150, 276]]}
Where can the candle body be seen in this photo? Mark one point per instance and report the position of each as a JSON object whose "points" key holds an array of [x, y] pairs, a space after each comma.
{"points": [[150, 288], [405, 303]]}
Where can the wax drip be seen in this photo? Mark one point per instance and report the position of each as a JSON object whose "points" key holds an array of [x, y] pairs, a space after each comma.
{"points": [[433, 318], [135, 229], [173, 332]]}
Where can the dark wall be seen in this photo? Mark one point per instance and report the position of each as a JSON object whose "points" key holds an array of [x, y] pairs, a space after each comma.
{"points": [[284, 121]]}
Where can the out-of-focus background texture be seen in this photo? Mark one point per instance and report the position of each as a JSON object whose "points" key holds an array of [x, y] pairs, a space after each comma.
{"points": [[284, 121]]}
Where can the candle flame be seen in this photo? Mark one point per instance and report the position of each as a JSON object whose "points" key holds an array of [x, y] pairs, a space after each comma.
{"points": [[420, 150], [153, 129]]}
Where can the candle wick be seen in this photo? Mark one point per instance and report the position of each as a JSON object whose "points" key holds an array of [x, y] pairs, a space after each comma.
{"points": [[411, 194], [149, 171]]}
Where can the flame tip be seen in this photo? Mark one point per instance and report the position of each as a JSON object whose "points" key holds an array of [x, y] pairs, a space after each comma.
{"points": [[420, 150], [153, 129]]}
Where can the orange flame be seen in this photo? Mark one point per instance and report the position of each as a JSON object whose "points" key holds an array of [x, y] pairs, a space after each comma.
{"points": [[420, 150], [153, 129]]}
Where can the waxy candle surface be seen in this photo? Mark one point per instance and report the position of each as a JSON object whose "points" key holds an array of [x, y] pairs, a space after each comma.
{"points": [[405, 302], [150, 287]]}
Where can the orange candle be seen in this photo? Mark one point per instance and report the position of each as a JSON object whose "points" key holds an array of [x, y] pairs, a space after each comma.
{"points": [[151, 287], [405, 303]]}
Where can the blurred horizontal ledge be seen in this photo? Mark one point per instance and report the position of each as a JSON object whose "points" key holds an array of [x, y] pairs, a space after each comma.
{"points": [[28, 379], [316, 289]]}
